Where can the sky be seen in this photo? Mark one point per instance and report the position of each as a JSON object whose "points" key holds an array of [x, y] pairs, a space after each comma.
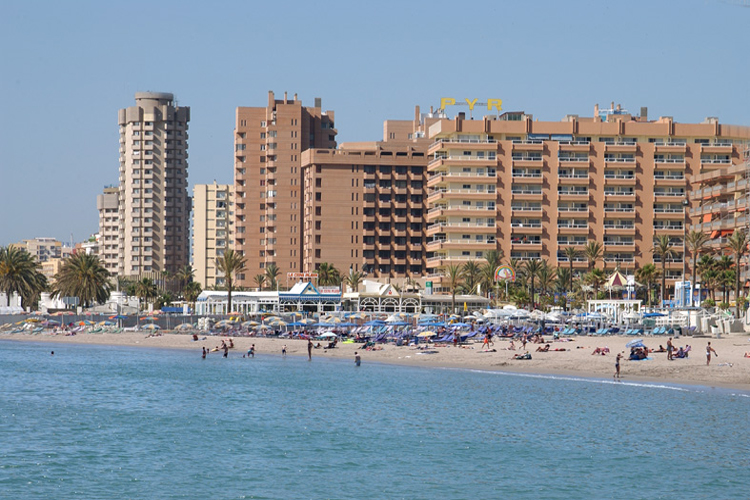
{"points": [[67, 67]]}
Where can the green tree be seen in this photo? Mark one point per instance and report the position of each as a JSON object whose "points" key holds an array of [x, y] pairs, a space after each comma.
{"points": [[146, 290], [328, 275], [706, 264], [454, 275], [229, 265], [260, 280], [272, 276], [737, 244], [647, 276], [547, 276], [471, 273], [593, 251], [191, 292], [664, 248], [164, 300], [696, 243], [353, 280], [82, 276], [572, 253], [531, 268], [185, 275], [21, 273]]}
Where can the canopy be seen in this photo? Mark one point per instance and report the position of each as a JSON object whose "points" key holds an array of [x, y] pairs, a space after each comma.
{"points": [[327, 335], [635, 343], [617, 280]]}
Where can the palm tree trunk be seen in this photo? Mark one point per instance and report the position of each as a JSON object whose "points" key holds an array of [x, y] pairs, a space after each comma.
{"points": [[737, 287], [695, 275], [229, 294], [663, 280]]}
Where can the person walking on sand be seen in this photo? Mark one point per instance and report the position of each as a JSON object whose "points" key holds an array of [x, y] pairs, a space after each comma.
{"points": [[710, 350], [357, 359], [670, 349], [617, 365], [309, 349]]}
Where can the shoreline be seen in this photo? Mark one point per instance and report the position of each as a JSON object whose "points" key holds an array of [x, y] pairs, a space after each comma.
{"points": [[730, 370]]}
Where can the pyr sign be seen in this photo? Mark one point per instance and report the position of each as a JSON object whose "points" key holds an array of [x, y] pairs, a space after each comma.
{"points": [[491, 103]]}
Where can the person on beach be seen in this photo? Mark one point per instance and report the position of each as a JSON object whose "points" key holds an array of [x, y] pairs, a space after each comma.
{"points": [[309, 349], [251, 351], [710, 350], [617, 365], [357, 359], [283, 350], [524, 339], [204, 352], [670, 348], [226, 351]]}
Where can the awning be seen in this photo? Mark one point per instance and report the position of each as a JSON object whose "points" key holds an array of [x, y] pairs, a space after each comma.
{"points": [[707, 217]]}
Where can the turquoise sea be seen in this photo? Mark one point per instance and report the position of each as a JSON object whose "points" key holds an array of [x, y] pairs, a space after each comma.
{"points": [[96, 422]]}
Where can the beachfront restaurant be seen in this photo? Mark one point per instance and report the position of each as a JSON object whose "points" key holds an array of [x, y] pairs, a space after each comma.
{"points": [[247, 303], [614, 310], [303, 296]]}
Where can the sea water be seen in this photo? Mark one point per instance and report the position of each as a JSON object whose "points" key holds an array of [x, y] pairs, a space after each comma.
{"points": [[96, 422]]}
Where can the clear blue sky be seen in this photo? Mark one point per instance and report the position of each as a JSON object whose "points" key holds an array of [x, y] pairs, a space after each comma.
{"points": [[67, 67]]}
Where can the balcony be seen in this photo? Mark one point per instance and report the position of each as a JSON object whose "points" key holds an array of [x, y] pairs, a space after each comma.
{"points": [[619, 229], [670, 146], [459, 160], [471, 227], [440, 177], [460, 244], [528, 145], [484, 144], [526, 194], [573, 195], [620, 147], [444, 211], [463, 194]]}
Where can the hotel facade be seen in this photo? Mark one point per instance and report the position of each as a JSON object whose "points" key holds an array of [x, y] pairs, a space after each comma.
{"points": [[213, 230], [154, 205], [440, 191]]}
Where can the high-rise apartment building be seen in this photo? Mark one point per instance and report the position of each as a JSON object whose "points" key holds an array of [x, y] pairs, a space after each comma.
{"points": [[533, 189], [154, 206], [109, 227], [364, 204], [213, 230], [269, 142]]}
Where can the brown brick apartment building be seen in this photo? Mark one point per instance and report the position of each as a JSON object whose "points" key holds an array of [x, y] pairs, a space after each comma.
{"points": [[439, 191], [268, 143]]}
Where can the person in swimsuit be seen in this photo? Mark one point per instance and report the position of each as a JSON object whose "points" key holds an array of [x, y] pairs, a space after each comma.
{"points": [[357, 359], [617, 365], [309, 349], [283, 350], [710, 350], [204, 353], [670, 348]]}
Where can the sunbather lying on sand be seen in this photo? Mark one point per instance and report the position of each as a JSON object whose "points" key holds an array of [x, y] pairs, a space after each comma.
{"points": [[600, 350], [543, 349]]}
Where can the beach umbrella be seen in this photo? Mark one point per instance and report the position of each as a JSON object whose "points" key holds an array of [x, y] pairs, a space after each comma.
{"points": [[635, 343], [327, 335], [184, 326], [427, 333], [152, 326]]}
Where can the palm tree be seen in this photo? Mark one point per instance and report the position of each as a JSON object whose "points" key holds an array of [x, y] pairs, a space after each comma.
{"points": [[82, 276], [272, 276], [564, 281], [327, 274], [471, 275], [185, 275], [353, 280], [453, 273], [695, 242], [21, 273], [737, 244], [191, 292], [664, 248], [596, 278], [593, 251], [547, 276], [260, 280], [230, 264], [646, 276], [532, 268], [706, 264], [572, 253], [146, 289]]}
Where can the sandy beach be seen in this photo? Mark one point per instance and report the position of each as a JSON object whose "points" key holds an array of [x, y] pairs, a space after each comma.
{"points": [[731, 369]]}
